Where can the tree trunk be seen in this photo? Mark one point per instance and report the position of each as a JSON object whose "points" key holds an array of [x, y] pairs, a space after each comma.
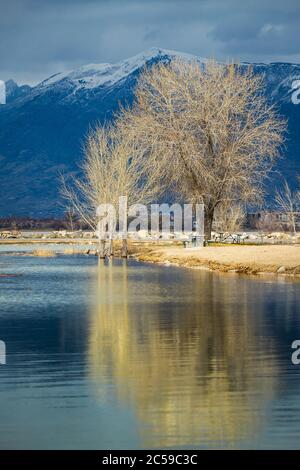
{"points": [[111, 247], [208, 221], [124, 251], [294, 224], [101, 249]]}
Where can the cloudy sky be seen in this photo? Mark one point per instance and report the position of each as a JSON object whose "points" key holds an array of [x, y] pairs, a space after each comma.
{"points": [[42, 37]]}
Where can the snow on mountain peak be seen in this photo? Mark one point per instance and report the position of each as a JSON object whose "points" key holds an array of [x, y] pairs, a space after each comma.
{"points": [[93, 76], [96, 75]]}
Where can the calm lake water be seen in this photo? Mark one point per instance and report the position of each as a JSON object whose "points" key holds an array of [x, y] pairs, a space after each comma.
{"points": [[128, 355]]}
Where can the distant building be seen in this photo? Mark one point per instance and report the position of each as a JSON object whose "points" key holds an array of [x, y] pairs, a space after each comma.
{"points": [[271, 220]]}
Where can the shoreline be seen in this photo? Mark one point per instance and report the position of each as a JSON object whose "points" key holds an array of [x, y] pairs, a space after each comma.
{"points": [[278, 261]]}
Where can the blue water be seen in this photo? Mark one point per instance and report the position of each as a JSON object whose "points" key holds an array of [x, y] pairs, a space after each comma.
{"points": [[129, 355]]}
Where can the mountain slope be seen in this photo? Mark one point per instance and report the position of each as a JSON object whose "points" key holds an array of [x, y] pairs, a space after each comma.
{"points": [[42, 128]]}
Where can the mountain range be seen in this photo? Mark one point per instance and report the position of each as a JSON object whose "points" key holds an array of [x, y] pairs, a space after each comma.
{"points": [[42, 128]]}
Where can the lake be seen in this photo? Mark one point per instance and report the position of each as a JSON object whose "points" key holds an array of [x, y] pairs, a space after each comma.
{"points": [[125, 355]]}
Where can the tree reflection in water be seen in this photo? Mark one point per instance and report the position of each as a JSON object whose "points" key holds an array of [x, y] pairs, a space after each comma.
{"points": [[185, 355]]}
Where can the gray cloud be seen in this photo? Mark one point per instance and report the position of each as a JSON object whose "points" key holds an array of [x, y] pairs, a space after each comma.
{"points": [[41, 37]]}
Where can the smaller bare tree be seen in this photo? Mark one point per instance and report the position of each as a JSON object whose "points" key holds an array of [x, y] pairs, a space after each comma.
{"points": [[229, 218], [70, 219], [113, 166], [288, 202]]}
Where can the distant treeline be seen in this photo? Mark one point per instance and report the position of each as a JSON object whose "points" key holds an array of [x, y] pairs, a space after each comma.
{"points": [[28, 223]]}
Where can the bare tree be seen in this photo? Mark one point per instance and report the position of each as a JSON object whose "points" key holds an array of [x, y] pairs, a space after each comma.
{"points": [[113, 166], [229, 217], [70, 219], [288, 202], [210, 130]]}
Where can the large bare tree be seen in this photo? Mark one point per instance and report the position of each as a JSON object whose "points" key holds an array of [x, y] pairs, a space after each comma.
{"points": [[113, 166], [210, 130]]}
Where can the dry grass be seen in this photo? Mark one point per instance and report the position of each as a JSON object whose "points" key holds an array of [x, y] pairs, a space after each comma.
{"points": [[44, 253], [75, 251]]}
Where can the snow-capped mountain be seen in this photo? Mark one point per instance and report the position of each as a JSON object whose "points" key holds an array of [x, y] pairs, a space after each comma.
{"points": [[42, 127], [99, 75]]}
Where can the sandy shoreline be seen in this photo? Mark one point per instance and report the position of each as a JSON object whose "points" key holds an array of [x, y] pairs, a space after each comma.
{"points": [[247, 259], [278, 259]]}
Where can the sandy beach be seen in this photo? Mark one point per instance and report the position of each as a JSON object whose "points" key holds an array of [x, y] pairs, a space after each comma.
{"points": [[279, 259]]}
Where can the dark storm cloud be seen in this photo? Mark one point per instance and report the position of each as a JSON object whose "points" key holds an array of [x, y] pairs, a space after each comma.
{"points": [[41, 37]]}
